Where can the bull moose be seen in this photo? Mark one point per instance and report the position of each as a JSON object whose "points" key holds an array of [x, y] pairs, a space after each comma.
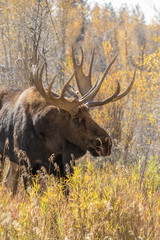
{"points": [[41, 122]]}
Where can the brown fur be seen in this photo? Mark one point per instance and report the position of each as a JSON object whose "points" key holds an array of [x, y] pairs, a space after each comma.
{"points": [[40, 130]]}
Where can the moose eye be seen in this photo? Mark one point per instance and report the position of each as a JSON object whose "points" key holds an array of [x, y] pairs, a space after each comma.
{"points": [[76, 121], [97, 143], [79, 121]]}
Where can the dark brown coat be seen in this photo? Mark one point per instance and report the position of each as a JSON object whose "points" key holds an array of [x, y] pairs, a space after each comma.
{"points": [[40, 129], [42, 123]]}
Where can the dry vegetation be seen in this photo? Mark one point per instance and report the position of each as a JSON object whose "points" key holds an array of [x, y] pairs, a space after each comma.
{"points": [[105, 202], [119, 199]]}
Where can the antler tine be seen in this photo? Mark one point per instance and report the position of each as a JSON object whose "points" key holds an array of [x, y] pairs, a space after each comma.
{"points": [[38, 80], [73, 57], [66, 85], [91, 65], [108, 68], [100, 103], [81, 64], [41, 72], [123, 94], [51, 84]]}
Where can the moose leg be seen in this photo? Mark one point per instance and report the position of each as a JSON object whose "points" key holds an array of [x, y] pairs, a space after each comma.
{"points": [[11, 179], [14, 172], [26, 175], [2, 161]]}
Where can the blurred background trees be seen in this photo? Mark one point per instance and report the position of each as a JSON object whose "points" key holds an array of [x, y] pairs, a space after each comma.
{"points": [[52, 27]]}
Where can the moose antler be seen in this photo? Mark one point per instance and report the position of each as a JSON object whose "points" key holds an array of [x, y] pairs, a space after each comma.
{"points": [[86, 89], [84, 82], [60, 101]]}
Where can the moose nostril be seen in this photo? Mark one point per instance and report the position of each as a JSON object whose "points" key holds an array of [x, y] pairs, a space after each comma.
{"points": [[98, 142]]}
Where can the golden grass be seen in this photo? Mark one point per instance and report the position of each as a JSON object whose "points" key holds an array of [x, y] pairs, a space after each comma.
{"points": [[109, 202]]}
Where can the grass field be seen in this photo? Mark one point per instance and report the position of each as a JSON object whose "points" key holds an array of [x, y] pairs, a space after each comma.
{"points": [[106, 201]]}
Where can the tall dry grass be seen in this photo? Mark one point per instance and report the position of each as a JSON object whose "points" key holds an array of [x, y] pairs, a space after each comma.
{"points": [[105, 202]]}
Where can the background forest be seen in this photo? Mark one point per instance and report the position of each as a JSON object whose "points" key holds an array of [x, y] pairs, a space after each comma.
{"points": [[52, 28]]}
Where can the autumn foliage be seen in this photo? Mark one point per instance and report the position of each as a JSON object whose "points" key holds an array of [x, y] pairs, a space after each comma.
{"points": [[119, 200]]}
